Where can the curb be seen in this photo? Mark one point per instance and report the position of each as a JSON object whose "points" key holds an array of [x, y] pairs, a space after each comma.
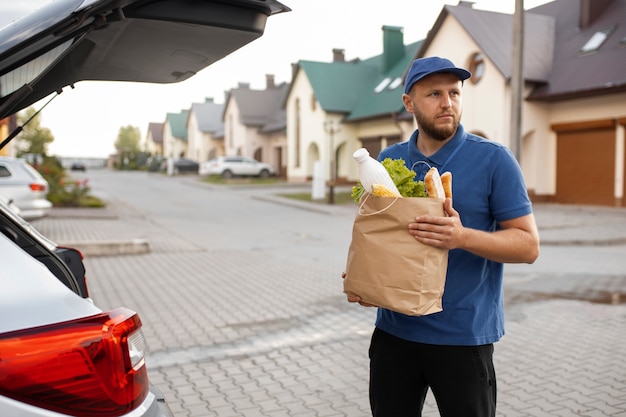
{"points": [[109, 247]]}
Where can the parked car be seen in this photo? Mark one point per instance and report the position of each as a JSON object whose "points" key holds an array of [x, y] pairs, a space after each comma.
{"points": [[78, 166], [184, 165], [236, 166], [24, 187], [60, 353]]}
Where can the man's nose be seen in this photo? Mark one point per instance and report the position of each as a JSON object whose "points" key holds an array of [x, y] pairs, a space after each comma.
{"points": [[446, 101]]}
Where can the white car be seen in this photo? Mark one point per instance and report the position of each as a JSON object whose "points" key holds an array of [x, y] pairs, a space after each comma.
{"points": [[236, 166], [60, 354], [24, 187]]}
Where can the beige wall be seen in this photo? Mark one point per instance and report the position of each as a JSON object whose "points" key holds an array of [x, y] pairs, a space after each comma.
{"points": [[172, 147], [151, 147], [234, 132], [485, 105], [200, 145], [310, 123], [194, 138]]}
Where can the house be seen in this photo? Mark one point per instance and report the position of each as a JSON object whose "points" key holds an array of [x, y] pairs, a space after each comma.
{"points": [[255, 123], [335, 108], [573, 109], [175, 134], [205, 131], [153, 144], [574, 96]]}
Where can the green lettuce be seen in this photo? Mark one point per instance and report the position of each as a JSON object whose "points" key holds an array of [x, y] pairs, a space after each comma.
{"points": [[403, 177]]}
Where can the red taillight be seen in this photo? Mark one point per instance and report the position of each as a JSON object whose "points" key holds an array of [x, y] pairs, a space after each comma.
{"points": [[37, 187], [87, 367]]}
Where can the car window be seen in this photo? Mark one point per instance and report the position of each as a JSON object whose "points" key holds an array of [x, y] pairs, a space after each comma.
{"points": [[4, 172]]}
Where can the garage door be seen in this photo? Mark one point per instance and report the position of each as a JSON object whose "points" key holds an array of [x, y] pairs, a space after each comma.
{"points": [[586, 167]]}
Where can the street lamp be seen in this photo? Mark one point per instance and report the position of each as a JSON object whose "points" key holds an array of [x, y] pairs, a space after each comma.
{"points": [[331, 129]]}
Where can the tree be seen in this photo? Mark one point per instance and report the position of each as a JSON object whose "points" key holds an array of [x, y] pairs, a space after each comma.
{"points": [[127, 145], [128, 139], [34, 138]]}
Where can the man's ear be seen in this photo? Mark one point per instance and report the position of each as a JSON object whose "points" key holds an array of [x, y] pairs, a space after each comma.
{"points": [[408, 103]]}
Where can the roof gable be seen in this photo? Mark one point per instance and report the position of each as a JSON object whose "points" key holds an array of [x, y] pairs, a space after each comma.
{"points": [[178, 124], [493, 32], [208, 116], [261, 108], [156, 132]]}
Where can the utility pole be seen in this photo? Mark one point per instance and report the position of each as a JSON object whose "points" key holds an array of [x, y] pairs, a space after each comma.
{"points": [[517, 79]]}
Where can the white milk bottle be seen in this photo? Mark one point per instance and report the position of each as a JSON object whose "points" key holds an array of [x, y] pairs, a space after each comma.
{"points": [[372, 172]]}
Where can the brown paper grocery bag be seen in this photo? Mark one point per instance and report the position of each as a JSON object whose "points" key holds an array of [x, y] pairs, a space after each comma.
{"points": [[386, 266]]}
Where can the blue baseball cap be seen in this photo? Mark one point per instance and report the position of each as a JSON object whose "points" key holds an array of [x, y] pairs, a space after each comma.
{"points": [[423, 67]]}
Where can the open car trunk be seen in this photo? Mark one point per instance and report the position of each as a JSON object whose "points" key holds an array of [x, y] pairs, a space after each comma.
{"points": [[155, 41]]}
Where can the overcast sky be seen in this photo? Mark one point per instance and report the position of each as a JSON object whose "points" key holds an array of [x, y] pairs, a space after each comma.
{"points": [[85, 121]]}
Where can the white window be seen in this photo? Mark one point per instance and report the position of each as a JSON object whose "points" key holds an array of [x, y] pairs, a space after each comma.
{"points": [[596, 41]]}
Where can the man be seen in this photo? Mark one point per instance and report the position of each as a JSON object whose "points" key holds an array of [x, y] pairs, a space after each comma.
{"points": [[490, 223]]}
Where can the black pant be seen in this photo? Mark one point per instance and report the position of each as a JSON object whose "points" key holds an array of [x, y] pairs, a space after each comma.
{"points": [[462, 378]]}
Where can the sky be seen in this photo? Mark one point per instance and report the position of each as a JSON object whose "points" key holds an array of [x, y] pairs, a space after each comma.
{"points": [[86, 120]]}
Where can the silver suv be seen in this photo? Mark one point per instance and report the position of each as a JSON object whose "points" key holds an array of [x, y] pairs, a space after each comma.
{"points": [[22, 185], [60, 354]]}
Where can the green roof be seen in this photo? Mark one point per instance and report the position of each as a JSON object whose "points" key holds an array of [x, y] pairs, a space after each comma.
{"points": [[338, 85], [178, 124], [387, 98], [349, 87]]}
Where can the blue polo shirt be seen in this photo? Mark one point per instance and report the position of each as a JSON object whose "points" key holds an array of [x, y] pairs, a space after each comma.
{"points": [[487, 188]]}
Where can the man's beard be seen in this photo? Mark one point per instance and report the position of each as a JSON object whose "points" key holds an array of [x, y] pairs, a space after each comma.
{"points": [[437, 133]]}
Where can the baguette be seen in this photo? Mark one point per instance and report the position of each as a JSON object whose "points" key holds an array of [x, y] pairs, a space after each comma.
{"points": [[446, 181], [433, 185]]}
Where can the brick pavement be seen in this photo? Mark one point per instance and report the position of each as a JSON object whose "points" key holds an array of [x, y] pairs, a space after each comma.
{"points": [[272, 338]]}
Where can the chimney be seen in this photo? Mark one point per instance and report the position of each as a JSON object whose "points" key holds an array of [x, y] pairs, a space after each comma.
{"points": [[269, 81], [393, 46], [244, 85], [464, 3], [294, 70], [339, 55], [590, 10]]}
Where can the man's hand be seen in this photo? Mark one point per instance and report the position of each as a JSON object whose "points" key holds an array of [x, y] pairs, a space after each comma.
{"points": [[516, 241], [355, 298], [441, 232]]}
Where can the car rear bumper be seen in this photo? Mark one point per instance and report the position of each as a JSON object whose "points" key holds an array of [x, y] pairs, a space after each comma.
{"points": [[153, 406], [36, 210]]}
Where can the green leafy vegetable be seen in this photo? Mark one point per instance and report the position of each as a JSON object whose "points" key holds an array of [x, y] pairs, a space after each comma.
{"points": [[403, 177]]}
